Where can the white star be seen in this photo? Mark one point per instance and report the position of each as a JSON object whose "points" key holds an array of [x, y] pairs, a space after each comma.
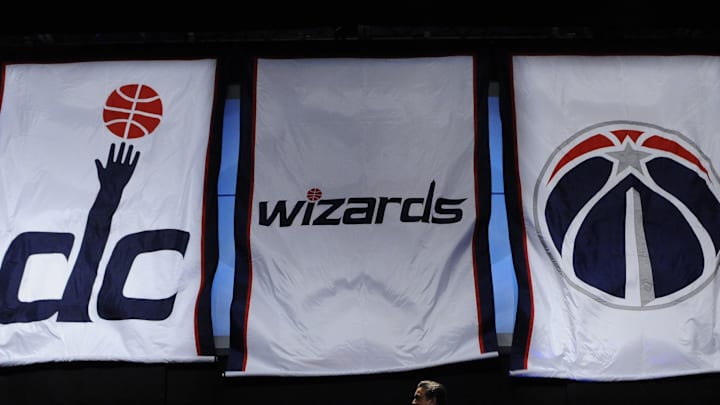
{"points": [[629, 157]]}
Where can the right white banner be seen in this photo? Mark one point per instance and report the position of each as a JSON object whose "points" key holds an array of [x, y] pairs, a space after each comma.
{"points": [[620, 218]]}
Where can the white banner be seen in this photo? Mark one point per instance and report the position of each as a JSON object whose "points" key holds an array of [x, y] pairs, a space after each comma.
{"points": [[362, 220], [620, 202], [102, 177]]}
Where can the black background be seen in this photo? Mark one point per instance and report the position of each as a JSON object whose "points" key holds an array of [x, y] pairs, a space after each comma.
{"points": [[65, 32]]}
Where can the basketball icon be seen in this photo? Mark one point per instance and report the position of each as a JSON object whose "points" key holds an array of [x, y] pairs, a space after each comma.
{"points": [[314, 194], [132, 111]]}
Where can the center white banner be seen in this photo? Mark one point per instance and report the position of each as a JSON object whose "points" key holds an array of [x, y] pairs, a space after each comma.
{"points": [[363, 220]]}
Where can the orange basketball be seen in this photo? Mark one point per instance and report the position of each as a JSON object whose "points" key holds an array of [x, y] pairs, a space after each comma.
{"points": [[132, 111]]}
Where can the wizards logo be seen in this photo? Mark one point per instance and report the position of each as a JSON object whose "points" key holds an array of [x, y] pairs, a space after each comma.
{"points": [[630, 214], [131, 111]]}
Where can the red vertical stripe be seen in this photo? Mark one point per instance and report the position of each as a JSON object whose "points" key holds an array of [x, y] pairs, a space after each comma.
{"points": [[477, 208]]}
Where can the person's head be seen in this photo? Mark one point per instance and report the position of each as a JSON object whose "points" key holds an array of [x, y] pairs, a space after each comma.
{"points": [[429, 392]]}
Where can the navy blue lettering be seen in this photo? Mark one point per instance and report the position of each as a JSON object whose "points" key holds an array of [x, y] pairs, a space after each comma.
{"points": [[308, 213], [281, 211], [455, 214], [12, 310], [381, 207], [428, 202], [359, 215], [112, 303], [334, 204], [367, 211], [405, 212]]}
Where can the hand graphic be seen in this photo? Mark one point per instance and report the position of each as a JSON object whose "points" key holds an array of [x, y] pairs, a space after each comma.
{"points": [[117, 172]]}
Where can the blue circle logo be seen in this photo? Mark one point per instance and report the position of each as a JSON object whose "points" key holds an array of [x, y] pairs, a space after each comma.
{"points": [[629, 213]]}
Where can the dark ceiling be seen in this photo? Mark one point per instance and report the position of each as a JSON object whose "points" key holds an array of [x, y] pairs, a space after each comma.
{"points": [[494, 34], [305, 21]]}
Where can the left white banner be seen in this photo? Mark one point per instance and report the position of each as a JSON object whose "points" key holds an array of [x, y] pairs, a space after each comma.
{"points": [[103, 178]]}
